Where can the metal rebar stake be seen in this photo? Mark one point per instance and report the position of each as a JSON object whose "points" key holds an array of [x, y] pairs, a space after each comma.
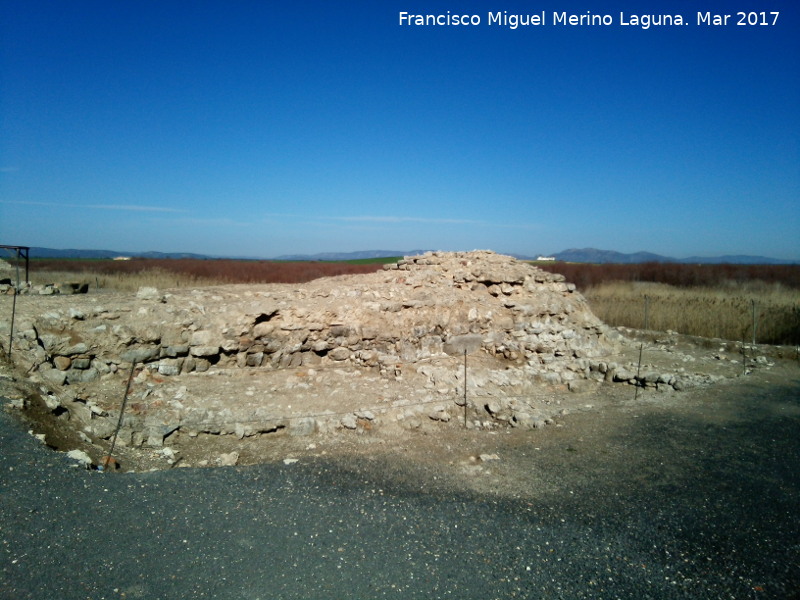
{"points": [[638, 370], [121, 413], [465, 388], [13, 311]]}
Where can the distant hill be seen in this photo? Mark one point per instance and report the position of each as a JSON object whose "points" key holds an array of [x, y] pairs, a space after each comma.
{"points": [[593, 255], [578, 255], [350, 255], [169, 255], [71, 253], [736, 259], [36, 252]]}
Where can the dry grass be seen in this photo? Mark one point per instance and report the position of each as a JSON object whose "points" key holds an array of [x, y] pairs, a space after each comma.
{"points": [[722, 311], [702, 300], [125, 282]]}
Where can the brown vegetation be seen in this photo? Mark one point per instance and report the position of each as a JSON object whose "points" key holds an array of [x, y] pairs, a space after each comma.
{"points": [[585, 275], [132, 274]]}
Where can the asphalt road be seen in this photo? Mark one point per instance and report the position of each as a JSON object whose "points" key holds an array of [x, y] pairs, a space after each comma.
{"points": [[672, 506]]}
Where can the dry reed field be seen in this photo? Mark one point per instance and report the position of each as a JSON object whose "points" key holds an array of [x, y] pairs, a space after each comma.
{"points": [[702, 311], [703, 300]]}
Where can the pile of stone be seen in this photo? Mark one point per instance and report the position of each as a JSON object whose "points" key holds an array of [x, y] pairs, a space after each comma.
{"points": [[8, 286], [412, 322], [418, 308]]}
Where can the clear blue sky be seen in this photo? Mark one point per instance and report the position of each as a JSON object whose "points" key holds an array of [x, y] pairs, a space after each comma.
{"points": [[246, 128]]}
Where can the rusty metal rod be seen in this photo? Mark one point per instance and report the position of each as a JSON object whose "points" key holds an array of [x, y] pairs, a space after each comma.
{"points": [[638, 370], [465, 388], [107, 459]]}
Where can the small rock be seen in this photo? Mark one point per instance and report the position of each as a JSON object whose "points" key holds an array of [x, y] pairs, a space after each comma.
{"points": [[290, 461], [228, 460], [339, 354], [155, 438], [54, 376], [439, 415], [82, 376], [205, 350], [18, 403], [51, 401], [624, 375], [522, 419], [576, 385], [303, 426], [38, 436], [168, 369], [139, 355], [82, 459], [62, 363], [493, 407], [169, 454], [149, 293], [349, 422]]}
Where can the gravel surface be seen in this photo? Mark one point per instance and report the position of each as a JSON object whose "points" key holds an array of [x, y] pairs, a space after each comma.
{"points": [[692, 499]]}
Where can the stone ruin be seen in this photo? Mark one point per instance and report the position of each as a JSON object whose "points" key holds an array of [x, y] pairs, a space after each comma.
{"points": [[9, 286], [344, 353]]}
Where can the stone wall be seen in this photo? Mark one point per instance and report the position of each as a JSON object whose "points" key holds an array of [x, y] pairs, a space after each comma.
{"points": [[417, 308]]}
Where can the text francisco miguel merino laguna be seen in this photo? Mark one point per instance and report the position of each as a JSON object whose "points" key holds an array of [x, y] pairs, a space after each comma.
{"points": [[513, 21]]}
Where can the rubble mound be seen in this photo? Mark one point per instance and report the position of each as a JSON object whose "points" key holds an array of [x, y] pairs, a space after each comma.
{"points": [[348, 352], [415, 309]]}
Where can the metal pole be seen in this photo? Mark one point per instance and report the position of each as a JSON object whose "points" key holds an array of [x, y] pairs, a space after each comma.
{"points": [[638, 369], [754, 321], [13, 310], [121, 413], [646, 316], [27, 265], [465, 388], [744, 358]]}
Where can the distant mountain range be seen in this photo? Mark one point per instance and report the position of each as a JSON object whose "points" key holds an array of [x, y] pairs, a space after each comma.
{"points": [[351, 255], [582, 255], [593, 255], [36, 252]]}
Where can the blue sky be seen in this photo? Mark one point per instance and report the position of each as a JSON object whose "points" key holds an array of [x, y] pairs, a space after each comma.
{"points": [[257, 129]]}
